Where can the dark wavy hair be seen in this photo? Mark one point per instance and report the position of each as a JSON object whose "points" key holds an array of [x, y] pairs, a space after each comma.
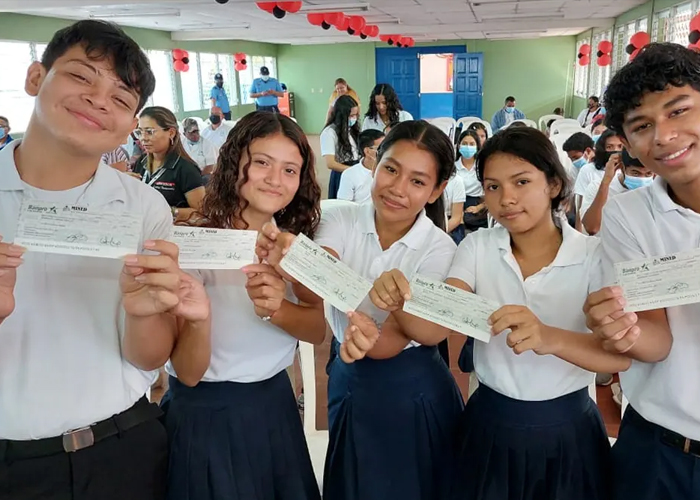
{"points": [[471, 133], [657, 66], [532, 146], [428, 138], [339, 119], [223, 204], [393, 105], [601, 155]]}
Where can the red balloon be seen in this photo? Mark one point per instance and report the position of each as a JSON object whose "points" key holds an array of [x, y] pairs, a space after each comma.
{"points": [[385, 38], [343, 24], [179, 66], [332, 18], [605, 46], [584, 61], [411, 42], [315, 19], [605, 60], [267, 6], [634, 54], [695, 23], [372, 30], [585, 49], [239, 56], [241, 67], [291, 7], [357, 23], [640, 39], [178, 54]]}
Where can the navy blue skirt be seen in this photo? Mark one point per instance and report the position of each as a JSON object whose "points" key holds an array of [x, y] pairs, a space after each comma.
{"points": [[236, 441], [532, 450], [334, 185], [392, 428]]}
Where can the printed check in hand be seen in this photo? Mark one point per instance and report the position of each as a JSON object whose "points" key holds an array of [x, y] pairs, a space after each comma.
{"points": [[606, 318], [10, 260], [154, 284], [390, 291], [528, 333], [361, 335]]}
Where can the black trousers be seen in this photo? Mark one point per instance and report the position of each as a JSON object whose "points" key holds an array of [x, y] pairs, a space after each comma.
{"points": [[270, 109], [131, 466]]}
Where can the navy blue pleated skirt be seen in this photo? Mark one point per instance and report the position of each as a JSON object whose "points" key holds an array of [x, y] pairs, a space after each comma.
{"points": [[334, 184], [236, 441], [392, 428], [532, 450]]}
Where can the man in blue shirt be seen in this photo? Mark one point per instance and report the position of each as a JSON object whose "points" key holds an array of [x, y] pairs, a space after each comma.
{"points": [[218, 96], [506, 115], [266, 91], [5, 137]]}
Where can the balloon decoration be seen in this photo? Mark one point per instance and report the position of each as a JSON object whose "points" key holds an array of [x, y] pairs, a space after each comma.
{"points": [[638, 41], [181, 60], [357, 24], [240, 61], [398, 40], [369, 31], [694, 35], [604, 53], [584, 55], [280, 9]]}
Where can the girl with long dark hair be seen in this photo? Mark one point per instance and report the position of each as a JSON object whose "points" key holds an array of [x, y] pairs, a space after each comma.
{"points": [[340, 139], [384, 109]]}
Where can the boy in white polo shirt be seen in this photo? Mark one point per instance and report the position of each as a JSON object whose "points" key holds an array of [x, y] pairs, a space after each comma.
{"points": [[654, 104], [80, 336]]}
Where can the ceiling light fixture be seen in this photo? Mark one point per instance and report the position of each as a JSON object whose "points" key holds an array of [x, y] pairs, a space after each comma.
{"points": [[131, 14], [517, 17], [337, 7]]}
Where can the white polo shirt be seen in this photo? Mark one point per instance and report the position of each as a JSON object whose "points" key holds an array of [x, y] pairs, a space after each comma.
{"points": [[61, 366], [472, 186], [645, 223], [244, 348], [217, 137], [616, 187], [356, 184], [350, 231], [454, 193], [586, 175], [202, 152], [378, 124], [555, 294], [329, 141]]}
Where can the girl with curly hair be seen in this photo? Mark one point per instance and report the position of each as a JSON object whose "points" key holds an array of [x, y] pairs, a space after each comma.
{"points": [[384, 109], [237, 433]]}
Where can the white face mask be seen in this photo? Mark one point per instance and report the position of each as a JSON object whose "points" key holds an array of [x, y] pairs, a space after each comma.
{"points": [[265, 78]]}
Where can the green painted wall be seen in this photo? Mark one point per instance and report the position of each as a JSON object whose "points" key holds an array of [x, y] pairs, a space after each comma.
{"points": [[21, 27], [540, 83]]}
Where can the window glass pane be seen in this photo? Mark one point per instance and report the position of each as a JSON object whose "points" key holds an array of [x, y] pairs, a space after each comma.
{"points": [[246, 79], [581, 74], [271, 63], [190, 82], [208, 67], [225, 65], [679, 24], [15, 104], [162, 67], [40, 48], [660, 26]]}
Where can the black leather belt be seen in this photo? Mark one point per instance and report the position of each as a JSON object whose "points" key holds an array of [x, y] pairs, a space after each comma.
{"points": [[80, 439], [667, 437]]}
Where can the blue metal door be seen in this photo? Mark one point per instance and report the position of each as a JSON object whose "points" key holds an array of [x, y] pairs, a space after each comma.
{"points": [[468, 84], [400, 68]]}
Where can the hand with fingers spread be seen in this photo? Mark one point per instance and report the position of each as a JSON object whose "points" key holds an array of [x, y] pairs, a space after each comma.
{"points": [[390, 291], [361, 335], [606, 318], [273, 244], [10, 260], [266, 289], [528, 333]]}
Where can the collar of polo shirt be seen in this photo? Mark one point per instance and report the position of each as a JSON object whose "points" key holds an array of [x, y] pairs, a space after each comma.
{"points": [[106, 187], [415, 238], [660, 197]]}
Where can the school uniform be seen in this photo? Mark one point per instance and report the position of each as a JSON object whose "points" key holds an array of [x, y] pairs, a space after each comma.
{"points": [[237, 435], [454, 193], [177, 177], [217, 136], [356, 184], [392, 421], [657, 453], [329, 143], [474, 192], [530, 431], [588, 174], [202, 152], [616, 187], [63, 380], [376, 123]]}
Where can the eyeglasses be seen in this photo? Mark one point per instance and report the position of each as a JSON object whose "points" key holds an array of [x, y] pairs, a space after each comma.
{"points": [[146, 132], [195, 131]]}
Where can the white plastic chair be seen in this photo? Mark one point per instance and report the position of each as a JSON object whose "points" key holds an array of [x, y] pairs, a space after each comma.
{"points": [[447, 125], [564, 123], [544, 120], [467, 121], [529, 123]]}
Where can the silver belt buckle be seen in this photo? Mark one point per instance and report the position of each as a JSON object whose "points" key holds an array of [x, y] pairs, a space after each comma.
{"points": [[78, 439]]}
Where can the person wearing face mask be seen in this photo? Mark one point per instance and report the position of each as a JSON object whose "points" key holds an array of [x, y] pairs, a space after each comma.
{"points": [[339, 141], [622, 173], [475, 216], [218, 96], [356, 182], [597, 128], [608, 144], [199, 148], [579, 149], [5, 137], [506, 115], [266, 91], [217, 132], [593, 111]]}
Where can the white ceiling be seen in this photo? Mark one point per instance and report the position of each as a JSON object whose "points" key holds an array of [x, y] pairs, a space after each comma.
{"points": [[424, 20]]}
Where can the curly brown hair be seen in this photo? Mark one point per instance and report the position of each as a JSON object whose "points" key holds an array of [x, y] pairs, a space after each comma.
{"points": [[223, 205]]}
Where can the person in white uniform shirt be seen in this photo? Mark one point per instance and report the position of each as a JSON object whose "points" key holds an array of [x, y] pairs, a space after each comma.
{"points": [[237, 434], [83, 337], [475, 216], [356, 181], [391, 414], [594, 110], [384, 109], [607, 148], [339, 141], [198, 148], [620, 176], [531, 431], [654, 103], [217, 132]]}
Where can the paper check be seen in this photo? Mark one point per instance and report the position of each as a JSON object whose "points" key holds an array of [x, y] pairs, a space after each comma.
{"points": [[325, 275], [210, 248], [659, 282], [77, 230], [451, 307]]}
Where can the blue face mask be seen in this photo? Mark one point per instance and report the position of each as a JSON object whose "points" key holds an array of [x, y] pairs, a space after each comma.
{"points": [[467, 151], [580, 162], [595, 138], [509, 109], [352, 122], [2, 133], [637, 182]]}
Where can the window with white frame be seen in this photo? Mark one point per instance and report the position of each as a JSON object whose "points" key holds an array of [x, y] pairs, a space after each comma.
{"points": [[623, 35], [191, 85], [210, 65], [253, 72], [595, 71], [581, 73], [15, 104], [162, 67], [673, 24]]}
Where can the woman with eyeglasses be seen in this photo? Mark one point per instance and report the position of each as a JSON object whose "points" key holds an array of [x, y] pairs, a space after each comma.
{"points": [[166, 166]]}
